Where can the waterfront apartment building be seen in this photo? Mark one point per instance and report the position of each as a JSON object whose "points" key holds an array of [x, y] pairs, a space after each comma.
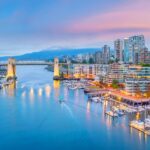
{"points": [[135, 44], [138, 80], [89, 70], [117, 72], [118, 47]]}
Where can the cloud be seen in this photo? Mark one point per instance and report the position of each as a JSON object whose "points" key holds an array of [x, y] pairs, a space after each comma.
{"points": [[35, 24]]}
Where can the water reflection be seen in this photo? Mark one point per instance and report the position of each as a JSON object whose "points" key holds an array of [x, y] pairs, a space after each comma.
{"points": [[47, 90], [88, 109], [56, 85], [31, 94], [11, 89], [108, 121], [40, 92], [23, 95]]}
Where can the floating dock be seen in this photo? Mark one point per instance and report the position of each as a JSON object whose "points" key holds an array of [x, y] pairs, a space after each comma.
{"points": [[140, 128]]}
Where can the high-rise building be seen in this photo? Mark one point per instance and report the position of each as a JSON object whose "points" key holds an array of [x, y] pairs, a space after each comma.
{"points": [[126, 51], [103, 57], [118, 46], [136, 43], [105, 54], [98, 57]]}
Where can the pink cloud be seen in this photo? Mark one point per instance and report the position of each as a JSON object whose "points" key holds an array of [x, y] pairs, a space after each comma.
{"points": [[125, 20]]}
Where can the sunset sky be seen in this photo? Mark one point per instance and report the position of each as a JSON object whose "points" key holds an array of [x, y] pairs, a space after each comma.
{"points": [[33, 25]]}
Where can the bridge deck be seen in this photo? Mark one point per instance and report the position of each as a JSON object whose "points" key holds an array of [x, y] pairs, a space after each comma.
{"points": [[31, 63]]}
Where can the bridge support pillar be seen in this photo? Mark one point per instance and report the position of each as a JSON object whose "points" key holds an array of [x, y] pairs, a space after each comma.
{"points": [[56, 69], [11, 68]]}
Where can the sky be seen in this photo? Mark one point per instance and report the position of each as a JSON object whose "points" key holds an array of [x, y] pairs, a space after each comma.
{"points": [[33, 25]]}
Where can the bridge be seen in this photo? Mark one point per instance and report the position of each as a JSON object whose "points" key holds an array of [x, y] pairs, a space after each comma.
{"points": [[5, 63], [11, 66]]}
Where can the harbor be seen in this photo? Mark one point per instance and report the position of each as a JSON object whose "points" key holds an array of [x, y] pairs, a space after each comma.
{"points": [[117, 108]]}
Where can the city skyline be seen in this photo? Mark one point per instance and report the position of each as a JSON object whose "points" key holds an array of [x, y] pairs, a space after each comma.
{"points": [[35, 25]]}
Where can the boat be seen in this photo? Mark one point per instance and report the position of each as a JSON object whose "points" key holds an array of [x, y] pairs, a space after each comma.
{"points": [[118, 111], [101, 99], [72, 87], [61, 101], [147, 120], [81, 86], [111, 113], [140, 109], [95, 99]]}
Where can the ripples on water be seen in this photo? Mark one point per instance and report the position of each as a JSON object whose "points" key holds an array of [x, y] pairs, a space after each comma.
{"points": [[33, 118]]}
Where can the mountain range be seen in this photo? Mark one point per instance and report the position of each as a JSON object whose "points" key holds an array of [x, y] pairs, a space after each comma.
{"points": [[50, 54]]}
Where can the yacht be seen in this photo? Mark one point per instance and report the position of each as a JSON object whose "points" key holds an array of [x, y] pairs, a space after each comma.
{"points": [[111, 113], [147, 120], [118, 111], [72, 87], [95, 99]]}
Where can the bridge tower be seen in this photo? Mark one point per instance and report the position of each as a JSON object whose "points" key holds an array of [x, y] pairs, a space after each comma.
{"points": [[56, 68], [11, 68]]}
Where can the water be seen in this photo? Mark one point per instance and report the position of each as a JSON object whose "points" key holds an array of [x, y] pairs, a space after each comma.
{"points": [[31, 117]]}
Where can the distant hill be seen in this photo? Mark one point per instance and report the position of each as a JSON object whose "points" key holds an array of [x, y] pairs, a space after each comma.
{"points": [[50, 54]]}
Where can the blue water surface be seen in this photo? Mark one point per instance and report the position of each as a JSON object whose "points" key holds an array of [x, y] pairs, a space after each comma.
{"points": [[31, 117]]}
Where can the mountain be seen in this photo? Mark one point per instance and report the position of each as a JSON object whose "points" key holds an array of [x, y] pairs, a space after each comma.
{"points": [[50, 54]]}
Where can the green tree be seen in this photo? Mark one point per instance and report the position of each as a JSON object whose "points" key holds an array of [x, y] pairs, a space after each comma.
{"points": [[115, 84]]}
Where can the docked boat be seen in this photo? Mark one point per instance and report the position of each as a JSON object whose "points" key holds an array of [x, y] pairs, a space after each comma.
{"points": [[72, 87], [140, 109], [147, 120], [118, 111], [140, 125], [111, 113], [95, 99]]}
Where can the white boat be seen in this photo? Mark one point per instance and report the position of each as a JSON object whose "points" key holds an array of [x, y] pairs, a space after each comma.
{"points": [[72, 87], [147, 120], [137, 123], [148, 107], [101, 100], [81, 86], [95, 99], [118, 111], [131, 110], [111, 113], [140, 108]]}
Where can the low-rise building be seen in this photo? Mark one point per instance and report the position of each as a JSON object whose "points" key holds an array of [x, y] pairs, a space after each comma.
{"points": [[144, 56]]}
